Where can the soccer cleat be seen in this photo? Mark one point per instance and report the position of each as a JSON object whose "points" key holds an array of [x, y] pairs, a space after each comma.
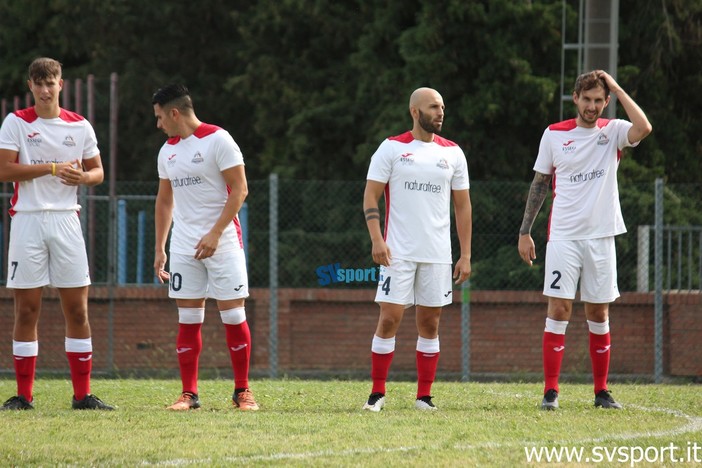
{"points": [[424, 403], [16, 403], [186, 401], [375, 402], [604, 399], [550, 401], [91, 402], [244, 400]]}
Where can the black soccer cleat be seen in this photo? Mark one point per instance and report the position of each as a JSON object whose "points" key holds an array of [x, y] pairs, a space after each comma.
{"points": [[16, 403], [604, 400], [91, 402], [550, 401], [424, 403]]}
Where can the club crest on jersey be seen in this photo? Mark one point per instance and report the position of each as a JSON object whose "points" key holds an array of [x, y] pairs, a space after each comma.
{"points": [[34, 139], [197, 159], [443, 164], [68, 141], [602, 139], [568, 147], [406, 159]]}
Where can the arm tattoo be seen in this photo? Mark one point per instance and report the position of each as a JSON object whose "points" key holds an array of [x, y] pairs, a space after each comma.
{"points": [[372, 213], [537, 195]]}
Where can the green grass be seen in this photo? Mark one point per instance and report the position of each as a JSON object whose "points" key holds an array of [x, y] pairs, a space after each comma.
{"points": [[319, 423]]}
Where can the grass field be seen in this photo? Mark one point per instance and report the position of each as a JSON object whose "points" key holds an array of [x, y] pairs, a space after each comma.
{"points": [[319, 423]]}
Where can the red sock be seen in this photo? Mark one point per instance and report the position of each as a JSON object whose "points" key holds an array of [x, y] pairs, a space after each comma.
{"points": [[188, 347], [599, 355], [553, 349], [239, 344], [426, 372], [25, 367], [380, 367], [81, 364]]}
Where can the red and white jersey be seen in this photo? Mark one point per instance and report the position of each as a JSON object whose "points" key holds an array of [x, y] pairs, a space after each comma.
{"points": [[194, 167], [420, 177], [584, 163], [66, 138]]}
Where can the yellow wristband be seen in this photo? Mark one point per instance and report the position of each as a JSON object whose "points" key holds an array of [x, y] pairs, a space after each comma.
{"points": [[53, 169]]}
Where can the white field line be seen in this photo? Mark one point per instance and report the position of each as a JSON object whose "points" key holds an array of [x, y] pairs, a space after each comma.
{"points": [[692, 424]]}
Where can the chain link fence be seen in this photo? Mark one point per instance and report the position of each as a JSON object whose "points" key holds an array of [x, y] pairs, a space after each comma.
{"points": [[311, 236]]}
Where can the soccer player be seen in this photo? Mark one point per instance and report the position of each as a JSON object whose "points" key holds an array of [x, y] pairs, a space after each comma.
{"points": [[48, 152], [580, 157], [419, 173], [202, 186]]}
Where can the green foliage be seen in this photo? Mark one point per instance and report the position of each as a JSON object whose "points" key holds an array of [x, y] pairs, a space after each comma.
{"points": [[310, 88]]}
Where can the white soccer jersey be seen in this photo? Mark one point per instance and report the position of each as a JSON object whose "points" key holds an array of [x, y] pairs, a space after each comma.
{"points": [[40, 141], [584, 163], [194, 167], [419, 178]]}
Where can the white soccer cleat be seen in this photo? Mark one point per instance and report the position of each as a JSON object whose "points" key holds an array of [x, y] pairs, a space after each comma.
{"points": [[375, 402]]}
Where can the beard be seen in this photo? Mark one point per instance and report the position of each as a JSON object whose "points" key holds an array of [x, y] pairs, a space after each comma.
{"points": [[427, 125], [589, 120]]}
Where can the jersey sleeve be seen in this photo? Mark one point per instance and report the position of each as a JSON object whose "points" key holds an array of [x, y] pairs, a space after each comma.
{"points": [[9, 133], [90, 148], [460, 179], [227, 152], [544, 160], [161, 165], [381, 163], [623, 127]]}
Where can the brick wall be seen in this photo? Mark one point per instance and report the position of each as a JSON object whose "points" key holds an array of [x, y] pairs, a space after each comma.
{"points": [[330, 330]]}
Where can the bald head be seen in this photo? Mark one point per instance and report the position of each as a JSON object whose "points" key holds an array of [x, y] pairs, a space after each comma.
{"points": [[421, 96]]}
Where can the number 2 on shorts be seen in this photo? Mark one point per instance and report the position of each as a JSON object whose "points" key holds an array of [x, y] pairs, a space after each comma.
{"points": [[555, 284]]}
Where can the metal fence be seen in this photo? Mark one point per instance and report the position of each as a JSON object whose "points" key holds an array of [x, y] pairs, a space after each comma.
{"points": [[301, 231], [300, 234]]}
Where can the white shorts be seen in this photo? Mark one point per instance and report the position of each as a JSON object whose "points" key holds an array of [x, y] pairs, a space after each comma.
{"points": [[411, 283], [593, 261], [46, 248], [222, 276]]}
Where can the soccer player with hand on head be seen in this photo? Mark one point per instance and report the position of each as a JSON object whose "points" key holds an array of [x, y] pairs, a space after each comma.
{"points": [[48, 152], [580, 158], [202, 187], [418, 172]]}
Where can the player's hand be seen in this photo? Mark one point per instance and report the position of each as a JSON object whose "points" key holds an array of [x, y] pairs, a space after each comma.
{"points": [[70, 173], [207, 246], [612, 84], [527, 250], [162, 275], [381, 253], [462, 271]]}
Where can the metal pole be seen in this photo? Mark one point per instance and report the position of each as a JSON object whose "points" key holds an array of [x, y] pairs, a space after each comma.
{"points": [[273, 273], [114, 110], [658, 280], [91, 190], [465, 331], [643, 259]]}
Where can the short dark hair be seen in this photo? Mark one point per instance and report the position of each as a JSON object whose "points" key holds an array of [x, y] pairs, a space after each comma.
{"points": [[174, 95], [43, 68], [588, 81]]}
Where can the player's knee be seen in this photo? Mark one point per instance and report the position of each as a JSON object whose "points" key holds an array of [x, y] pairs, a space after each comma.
{"points": [[388, 324]]}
